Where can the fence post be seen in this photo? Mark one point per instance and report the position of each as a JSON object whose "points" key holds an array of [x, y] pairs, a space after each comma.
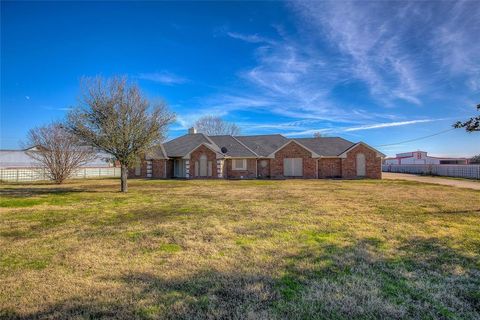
{"points": [[17, 175]]}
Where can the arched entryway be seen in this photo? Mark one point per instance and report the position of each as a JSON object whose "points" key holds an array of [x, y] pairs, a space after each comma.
{"points": [[203, 167]]}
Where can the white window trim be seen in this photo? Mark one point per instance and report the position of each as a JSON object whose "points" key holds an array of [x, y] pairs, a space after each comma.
{"points": [[244, 164]]}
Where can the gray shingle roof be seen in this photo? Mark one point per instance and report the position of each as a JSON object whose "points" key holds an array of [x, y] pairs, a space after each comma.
{"points": [[183, 145], [234, 147], [263, 145], [248, 146], [155, 153], [326, 146]]}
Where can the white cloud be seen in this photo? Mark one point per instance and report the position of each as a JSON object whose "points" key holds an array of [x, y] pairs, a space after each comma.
{"points": [[404, 53], [456, 42], [370, 37], [386, 125], [359, 128], [57, 108], [163, 77], [251, 38]]}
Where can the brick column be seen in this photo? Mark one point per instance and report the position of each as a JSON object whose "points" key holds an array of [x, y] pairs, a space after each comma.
{"points": [[219, 168], [187, 169]]}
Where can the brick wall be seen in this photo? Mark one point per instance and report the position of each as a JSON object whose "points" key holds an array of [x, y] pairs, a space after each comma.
{"points": [[195, 156], [250, 173], [143, 170], [294, 150], [330, 168], [373, 164], [263, 172], [158, 169]]}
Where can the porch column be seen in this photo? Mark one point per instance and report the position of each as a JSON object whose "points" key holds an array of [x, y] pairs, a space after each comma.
{"points": [[187, 169], [220, 168]]}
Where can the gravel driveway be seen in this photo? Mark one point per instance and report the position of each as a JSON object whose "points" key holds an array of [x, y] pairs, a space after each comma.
{"points": [[448, 182]]}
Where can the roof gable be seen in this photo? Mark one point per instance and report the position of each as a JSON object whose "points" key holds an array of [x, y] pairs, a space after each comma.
{"points": [[209, 146], [289, 141], [234, 148], [183, 145], [344, 154], [263, 145], [326, 146]]}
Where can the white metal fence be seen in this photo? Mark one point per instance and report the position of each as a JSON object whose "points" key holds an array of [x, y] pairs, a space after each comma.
{"points": [[34, 174], [471, 171]]}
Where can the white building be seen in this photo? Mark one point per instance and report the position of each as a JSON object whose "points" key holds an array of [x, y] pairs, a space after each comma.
{"points": [[421, 157], [21, 159]]}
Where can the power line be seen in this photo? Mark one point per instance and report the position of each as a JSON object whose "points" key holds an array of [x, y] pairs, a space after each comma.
{"points": [[416, 139]]}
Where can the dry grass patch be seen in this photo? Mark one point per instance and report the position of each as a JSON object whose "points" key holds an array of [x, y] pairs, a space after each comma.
{"points": [[240, 249]]}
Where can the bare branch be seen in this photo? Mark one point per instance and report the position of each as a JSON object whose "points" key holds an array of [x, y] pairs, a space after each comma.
{"points": [[214, 126], [115, 117], [58, 151]]}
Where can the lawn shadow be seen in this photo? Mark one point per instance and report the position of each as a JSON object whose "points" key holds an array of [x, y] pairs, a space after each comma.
{"points": [[32, 192], [323, 281], [205, 295]]}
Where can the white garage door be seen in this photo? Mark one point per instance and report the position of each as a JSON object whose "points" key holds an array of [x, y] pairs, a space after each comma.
{"points": [[293, 167]]}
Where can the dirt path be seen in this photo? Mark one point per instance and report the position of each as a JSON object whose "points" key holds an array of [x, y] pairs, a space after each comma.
{"points": [[437, 180]]}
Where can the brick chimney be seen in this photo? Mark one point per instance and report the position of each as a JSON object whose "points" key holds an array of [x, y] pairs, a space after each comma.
{"points": [[192, 130]]}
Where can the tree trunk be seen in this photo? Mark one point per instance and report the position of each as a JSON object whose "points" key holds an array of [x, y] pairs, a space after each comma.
{"points": [[124, 177]]}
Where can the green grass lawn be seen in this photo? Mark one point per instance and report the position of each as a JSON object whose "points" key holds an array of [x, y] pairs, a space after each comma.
{"points": [[295, 249]]}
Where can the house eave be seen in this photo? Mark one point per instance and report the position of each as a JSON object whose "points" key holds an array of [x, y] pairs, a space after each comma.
{"points": [[343, 155]]}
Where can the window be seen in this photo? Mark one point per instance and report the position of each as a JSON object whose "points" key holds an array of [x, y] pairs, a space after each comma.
{"points": [[179, 168], [209, 168], [293, 167], [203, 166], [138, 167], [239, 164]]}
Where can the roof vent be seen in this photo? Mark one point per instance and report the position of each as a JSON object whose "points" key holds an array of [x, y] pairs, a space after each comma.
{"points": [[192, 130]]}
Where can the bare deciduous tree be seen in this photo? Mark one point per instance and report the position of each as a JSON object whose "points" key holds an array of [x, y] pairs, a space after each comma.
{"points": [[475, 159], [317, 134], [214, 126], [115, 117], [58, 151]]}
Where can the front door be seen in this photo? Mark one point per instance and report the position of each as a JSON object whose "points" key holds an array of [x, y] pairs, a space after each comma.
{"points": [[203, 166], [361, 165], [179, 168]]}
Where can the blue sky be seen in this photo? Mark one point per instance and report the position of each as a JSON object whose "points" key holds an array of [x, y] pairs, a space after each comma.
{"points": [[379, 72]]}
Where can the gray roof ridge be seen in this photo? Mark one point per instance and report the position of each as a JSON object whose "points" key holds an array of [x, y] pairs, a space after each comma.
{"points": [[329, 137], [164, 152], [261, 135], [210, 140], [245, 146]]}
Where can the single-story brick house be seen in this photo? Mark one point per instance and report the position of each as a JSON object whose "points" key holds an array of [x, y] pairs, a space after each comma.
{"points": [[196, 155]]}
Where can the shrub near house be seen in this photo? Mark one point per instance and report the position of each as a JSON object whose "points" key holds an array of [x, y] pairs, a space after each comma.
{"points": [[196, 155]]}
